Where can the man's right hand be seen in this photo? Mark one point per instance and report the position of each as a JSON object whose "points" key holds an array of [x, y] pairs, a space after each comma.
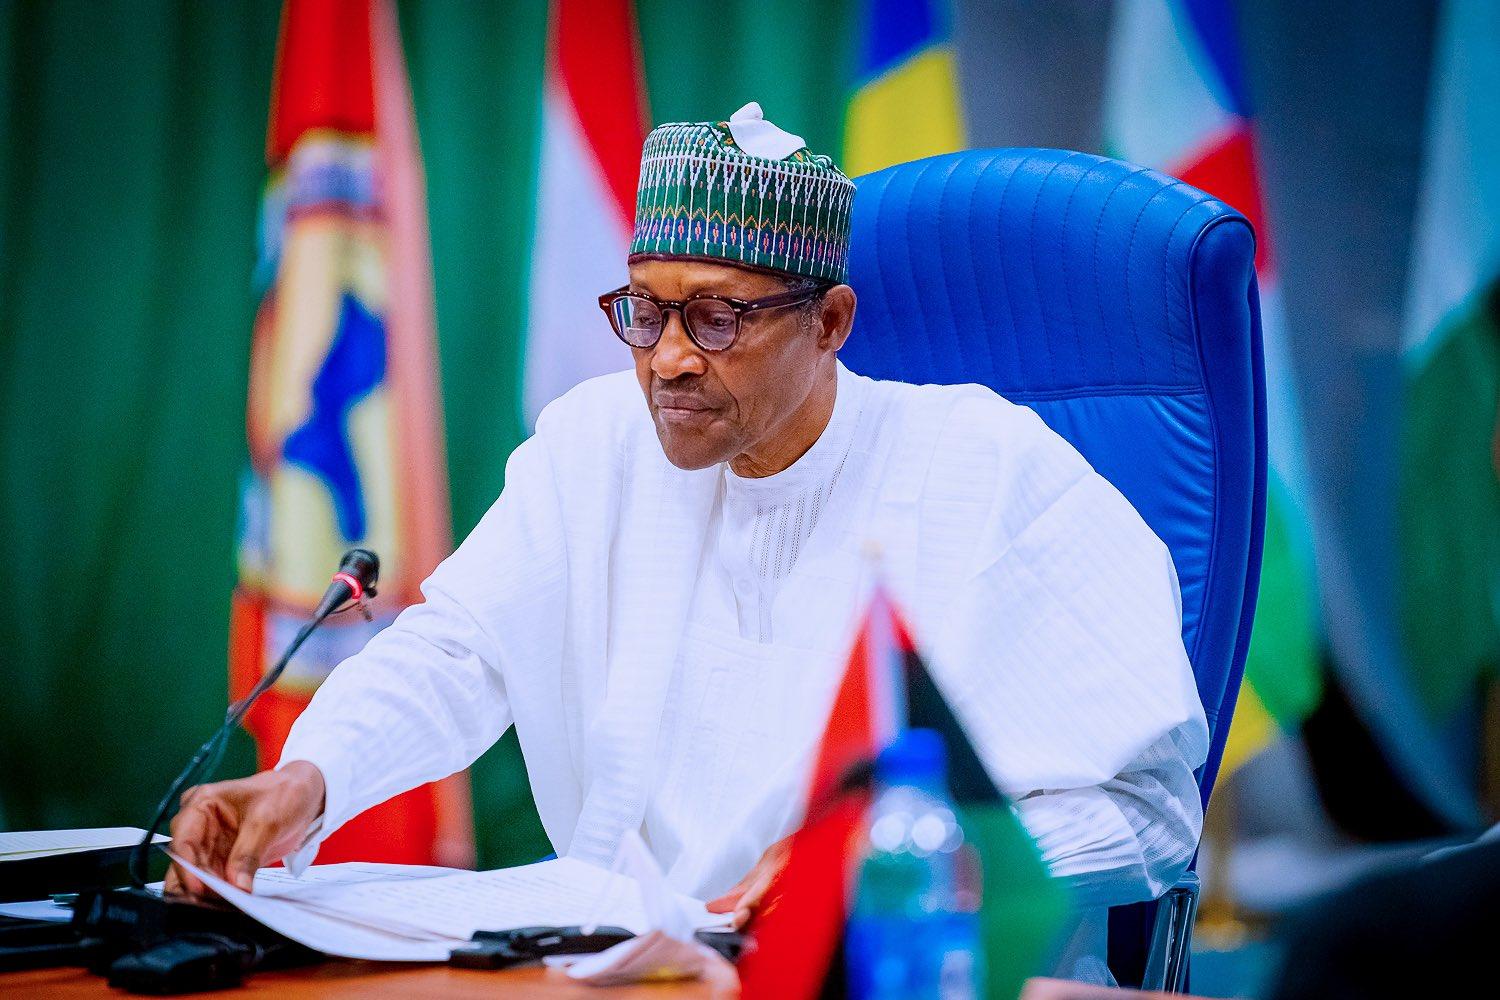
{"points": [[234, 828]]}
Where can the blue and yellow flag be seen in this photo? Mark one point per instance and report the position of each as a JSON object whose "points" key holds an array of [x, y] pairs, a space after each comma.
{"points": [[905, 103]]}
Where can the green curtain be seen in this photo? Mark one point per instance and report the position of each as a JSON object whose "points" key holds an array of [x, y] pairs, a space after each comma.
{"points": [[131, 162], [476, 72], [706, 60]]}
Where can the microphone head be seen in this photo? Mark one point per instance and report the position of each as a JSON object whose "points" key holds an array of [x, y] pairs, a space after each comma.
{"points": [[363, 565]]}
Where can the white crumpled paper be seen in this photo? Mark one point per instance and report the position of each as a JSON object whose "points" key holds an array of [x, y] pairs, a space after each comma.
{"points": [[667, 952]]}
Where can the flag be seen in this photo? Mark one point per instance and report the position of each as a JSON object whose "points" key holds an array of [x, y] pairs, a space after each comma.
{"points": [[593, 126], [1175, 100], [1450, 459], [1022, 907], [905, 102], [343, 417], [886, 685], [798, 933]]}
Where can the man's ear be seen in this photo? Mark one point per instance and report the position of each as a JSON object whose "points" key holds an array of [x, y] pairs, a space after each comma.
{"points": [[837, 317]]}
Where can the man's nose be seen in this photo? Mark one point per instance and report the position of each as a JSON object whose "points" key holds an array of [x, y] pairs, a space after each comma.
{"points": [[675, 354]]}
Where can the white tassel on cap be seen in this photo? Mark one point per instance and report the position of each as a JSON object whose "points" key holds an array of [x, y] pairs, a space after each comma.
{"points": [[759, 137]]}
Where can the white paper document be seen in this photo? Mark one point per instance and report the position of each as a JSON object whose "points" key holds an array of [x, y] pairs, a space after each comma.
{"points": [[25, 844], [331, 935], [651, 958], [669, 950], [398, 913], [41, 909]]}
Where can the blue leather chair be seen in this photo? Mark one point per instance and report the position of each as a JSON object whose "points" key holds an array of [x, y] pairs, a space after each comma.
{"points": [[1121, 305]]}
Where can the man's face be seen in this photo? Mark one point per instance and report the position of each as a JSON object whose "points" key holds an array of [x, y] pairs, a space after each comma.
{"points": [[712, 406]]}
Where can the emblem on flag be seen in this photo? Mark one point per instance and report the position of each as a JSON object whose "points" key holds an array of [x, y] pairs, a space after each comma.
{"points": [[343, 419]]}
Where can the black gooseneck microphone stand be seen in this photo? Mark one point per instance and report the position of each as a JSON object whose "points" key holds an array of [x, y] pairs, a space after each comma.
{"points": [[145, 943], [355, 580], [210, 751]]}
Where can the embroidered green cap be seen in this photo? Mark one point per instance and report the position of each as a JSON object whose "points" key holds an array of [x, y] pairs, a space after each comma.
{"points": [[742, 191]]}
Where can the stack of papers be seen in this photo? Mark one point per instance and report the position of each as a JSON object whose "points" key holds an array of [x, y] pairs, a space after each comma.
{"points": [[27, 844], [36, 863], [401, 913]]}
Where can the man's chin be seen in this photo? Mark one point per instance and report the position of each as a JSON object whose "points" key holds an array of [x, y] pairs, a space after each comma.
{"points": [[689, 455]]}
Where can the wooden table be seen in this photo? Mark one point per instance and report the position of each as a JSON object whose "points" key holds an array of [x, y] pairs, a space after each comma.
{"points": [[369, 979], [405, 982]]}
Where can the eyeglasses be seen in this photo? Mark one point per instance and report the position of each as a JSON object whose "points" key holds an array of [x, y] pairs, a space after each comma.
{"points": [[712, 321]]}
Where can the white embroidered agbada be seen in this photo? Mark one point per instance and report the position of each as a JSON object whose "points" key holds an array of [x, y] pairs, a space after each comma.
{"points": [[667, 643]]}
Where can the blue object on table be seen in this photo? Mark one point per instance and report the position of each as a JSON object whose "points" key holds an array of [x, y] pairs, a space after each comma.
{"points": [[914, 929], [1121, 305]]}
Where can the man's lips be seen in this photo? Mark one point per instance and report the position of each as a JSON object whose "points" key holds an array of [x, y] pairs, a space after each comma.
{"points": [[679, 409], [680, 403]]}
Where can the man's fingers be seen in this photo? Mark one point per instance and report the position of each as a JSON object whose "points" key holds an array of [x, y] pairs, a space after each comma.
{"points": [[241, 870], [757, 890], [188, 832], [724, 903], [189, 840], [730, 899], [753, 900], [196, 832], [221, 829], [745, 898], [232, 828], [749, 903], [761, 907], [183, 883], [249, 850]]}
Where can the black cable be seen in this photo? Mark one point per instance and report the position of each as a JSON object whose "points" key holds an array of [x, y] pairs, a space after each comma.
{"points": [[140, 858]]}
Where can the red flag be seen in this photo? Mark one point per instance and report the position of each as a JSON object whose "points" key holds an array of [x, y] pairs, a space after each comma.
{"points": [[593, 126], [799, 930], [344, 416], [797, 937]]}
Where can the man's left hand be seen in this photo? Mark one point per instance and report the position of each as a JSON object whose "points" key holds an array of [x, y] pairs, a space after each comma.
{"points": [[748, 897]]}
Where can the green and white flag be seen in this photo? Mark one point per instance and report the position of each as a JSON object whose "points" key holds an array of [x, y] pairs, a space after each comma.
{"points": [[1450, 490]]}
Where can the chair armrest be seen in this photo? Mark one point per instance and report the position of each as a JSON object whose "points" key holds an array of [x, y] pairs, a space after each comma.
{"points": [[1172, 936]]}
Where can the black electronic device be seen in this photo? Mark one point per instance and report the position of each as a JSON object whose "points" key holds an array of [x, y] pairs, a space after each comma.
{"points": [[520, 945], [523, 945], [146, 943], [164, 945], [74, 871], [188, 963], [42, 944], [730, 944]]}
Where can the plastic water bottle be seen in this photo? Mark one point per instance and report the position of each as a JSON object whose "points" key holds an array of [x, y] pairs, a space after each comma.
{"points": [[914, 932]]}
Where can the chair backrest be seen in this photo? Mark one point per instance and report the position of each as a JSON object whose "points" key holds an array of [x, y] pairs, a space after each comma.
{"points": [[1121, 305]]}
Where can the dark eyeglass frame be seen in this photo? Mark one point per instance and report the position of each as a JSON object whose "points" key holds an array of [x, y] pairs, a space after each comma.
{"points": [[741, 308]]}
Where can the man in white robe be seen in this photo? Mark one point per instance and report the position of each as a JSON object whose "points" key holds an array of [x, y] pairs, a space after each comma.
{"points": [[662, 598]]}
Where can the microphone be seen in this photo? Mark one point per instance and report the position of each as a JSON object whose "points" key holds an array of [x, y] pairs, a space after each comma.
{"points": [[358, 571], [356, 576]]}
